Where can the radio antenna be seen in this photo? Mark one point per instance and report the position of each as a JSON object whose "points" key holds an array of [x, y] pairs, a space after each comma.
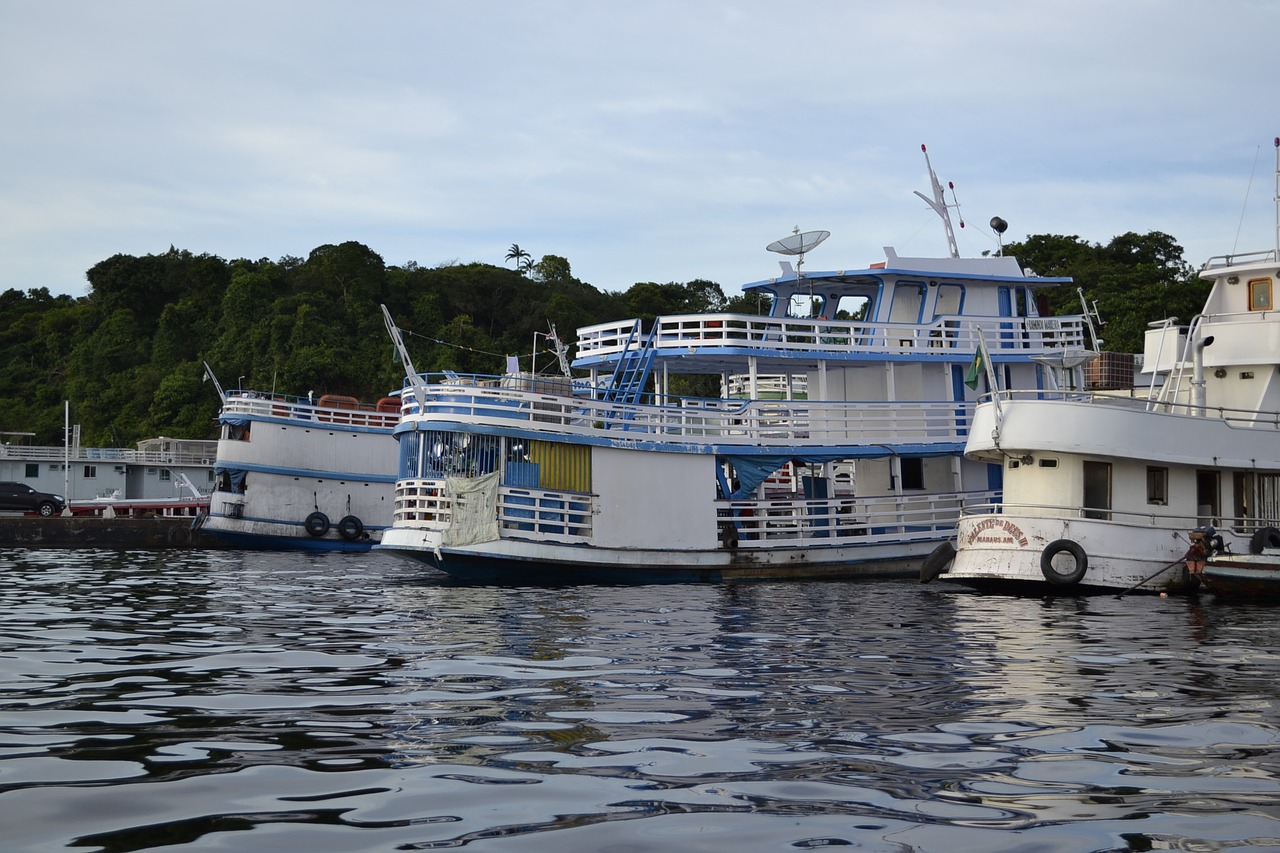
{"points": [[939, 204]]}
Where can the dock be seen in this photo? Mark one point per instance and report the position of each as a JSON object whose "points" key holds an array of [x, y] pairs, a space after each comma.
{"points": [[96, 531]]}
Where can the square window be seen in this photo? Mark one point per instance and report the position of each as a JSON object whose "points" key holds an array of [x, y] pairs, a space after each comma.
{"points": [[1260, 294], [913, 473], [1158, 486]]}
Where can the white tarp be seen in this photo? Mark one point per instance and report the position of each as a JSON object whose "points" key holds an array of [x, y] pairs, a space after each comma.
{"points": [[474, 512]]}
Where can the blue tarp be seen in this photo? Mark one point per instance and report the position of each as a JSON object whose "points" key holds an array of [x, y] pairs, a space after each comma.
{"points": [[236, 476]]}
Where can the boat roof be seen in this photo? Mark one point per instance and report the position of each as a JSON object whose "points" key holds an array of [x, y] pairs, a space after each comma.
{"points": [[995, 270], [1263, 262]]}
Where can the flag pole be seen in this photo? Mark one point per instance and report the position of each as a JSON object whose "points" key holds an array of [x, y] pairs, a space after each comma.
{"points": [[989, 369]]}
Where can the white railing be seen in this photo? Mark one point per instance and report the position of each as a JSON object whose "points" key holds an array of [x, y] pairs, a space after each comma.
{"points": [[762, 422], [1154, 519], [552, 516], [196, 457], [836, 521], [1244, 258], [767, 523], [1236, 418], [942, 335], [249, 404]]}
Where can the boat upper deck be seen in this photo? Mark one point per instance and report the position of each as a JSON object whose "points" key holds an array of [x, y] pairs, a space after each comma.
{"points": [[342, 411], [863, 428], [706, 342]]}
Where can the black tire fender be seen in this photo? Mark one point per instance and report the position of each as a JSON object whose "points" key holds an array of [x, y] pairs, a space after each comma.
{"points": [[1051, 573], [350, 528], [317, 524], [1265, 537], [937, 562]]}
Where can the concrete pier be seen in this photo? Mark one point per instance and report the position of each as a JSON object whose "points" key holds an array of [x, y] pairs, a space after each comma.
{"points": [[18, 531]]}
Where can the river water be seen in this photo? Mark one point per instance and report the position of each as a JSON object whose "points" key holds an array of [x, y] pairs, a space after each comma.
{"points": [[238, 701]]}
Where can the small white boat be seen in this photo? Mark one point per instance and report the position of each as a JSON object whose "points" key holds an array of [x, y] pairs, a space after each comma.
{"points": [[297, 473], [832, 451], [1253, 577], [1101, 489]]}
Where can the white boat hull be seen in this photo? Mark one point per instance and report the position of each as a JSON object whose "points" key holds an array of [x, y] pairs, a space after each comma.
{"points": [[297, 476], [1009, 551]]}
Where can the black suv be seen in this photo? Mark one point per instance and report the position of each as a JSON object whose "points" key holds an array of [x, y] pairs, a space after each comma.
{"points": [[23, 498]]}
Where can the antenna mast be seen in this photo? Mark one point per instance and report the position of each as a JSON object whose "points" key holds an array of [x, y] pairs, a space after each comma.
{"points": [[1278, 196], [939, 204]]}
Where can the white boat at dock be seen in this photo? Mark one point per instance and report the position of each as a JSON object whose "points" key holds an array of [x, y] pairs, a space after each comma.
{"points": [[297, 473], [834, 449], [1102, 490], [160, 476]]}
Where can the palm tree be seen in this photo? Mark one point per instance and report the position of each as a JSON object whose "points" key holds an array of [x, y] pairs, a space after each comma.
{"points": [[520, 256]]}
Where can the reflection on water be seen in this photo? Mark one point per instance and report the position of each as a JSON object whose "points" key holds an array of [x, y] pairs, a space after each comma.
{"points": [[241, 701]]}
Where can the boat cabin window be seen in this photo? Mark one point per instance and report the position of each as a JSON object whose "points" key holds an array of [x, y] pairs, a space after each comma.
{"points": [[1260, 294], [949, 301], [912, 473], [1097, 490], [1242, 490], [850, 308], [1048, 462], [1208, 508], [908, 298], [1267, 504], [1157, 486]]}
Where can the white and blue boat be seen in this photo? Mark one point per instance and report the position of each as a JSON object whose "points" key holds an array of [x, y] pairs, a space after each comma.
{"points": [[833, 450], [1102, 490], [301, 473]]}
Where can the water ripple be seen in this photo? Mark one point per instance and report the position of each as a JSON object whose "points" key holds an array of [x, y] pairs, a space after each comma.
{"points": [[239, 701]]}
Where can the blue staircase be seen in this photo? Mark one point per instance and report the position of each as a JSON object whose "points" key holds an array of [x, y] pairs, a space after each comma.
{"points": [[634, 367]]}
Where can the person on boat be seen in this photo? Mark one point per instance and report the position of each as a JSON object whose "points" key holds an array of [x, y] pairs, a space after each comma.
{"points": [[1197, 553]]}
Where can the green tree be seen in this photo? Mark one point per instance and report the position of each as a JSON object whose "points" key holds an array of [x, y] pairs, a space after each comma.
{"points": [[1134, 280], [520, 256]]}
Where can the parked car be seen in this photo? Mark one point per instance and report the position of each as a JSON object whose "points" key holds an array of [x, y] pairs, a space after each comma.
{"points": [[23, 498]]}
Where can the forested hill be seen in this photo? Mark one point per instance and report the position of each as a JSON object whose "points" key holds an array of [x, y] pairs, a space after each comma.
{"points": [[129, 356]]}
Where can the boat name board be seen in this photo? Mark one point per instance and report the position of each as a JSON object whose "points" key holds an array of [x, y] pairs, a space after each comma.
{"points": [[1040, 324], [997, 531]]}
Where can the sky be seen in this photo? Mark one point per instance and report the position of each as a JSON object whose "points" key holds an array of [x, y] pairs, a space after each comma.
{"points": [[656, 141]]}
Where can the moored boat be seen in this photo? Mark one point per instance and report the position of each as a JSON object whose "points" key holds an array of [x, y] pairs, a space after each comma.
{"points": [[298, 473], [832, 451], [1101, 489], [1254, 576]]}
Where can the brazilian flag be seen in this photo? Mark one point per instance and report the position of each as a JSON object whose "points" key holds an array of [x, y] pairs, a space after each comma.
{"points": [[976, 368]]}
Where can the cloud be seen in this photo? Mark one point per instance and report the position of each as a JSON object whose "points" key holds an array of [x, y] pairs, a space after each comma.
{"points": [[647, 142]]}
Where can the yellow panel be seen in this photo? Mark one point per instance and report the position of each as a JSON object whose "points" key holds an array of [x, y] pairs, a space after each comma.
{"points": [[563, 467]]}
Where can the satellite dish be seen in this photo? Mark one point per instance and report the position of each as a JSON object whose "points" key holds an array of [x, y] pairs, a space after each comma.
{"points": [[798, 243]]}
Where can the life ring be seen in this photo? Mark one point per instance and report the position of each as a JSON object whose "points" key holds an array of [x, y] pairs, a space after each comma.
{"points": [[1266, 537], [937, 561], [1053, 549], [317, 524], [350, 528]]}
